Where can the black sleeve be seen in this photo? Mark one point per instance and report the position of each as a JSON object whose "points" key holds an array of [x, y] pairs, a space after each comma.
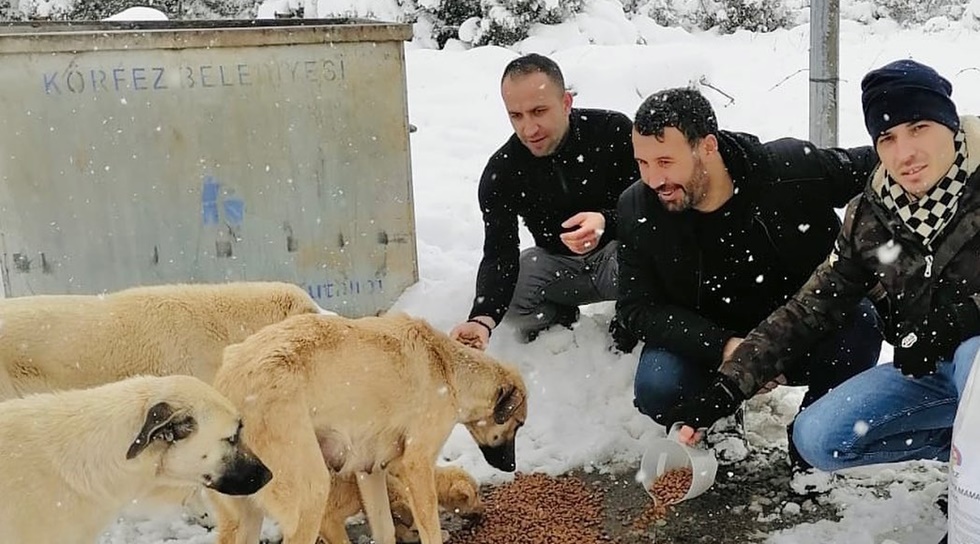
{"points": [[840, 174], [825, 302], [497, 274], [642, 304], [622, 167], [817, 181]]}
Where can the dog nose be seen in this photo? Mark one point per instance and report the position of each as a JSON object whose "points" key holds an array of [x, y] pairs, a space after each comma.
{"points": [[246, 475], [501, 457]]}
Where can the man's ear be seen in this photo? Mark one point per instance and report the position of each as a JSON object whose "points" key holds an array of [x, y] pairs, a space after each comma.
{"points": [[709, 144], [508, 399], [162, 423]]}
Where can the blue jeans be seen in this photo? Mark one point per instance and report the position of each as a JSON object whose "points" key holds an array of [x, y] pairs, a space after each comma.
{"points": [[881, 416], [663, 379]]}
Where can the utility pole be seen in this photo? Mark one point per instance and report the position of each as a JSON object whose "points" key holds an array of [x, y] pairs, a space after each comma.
{"points": [[824, 63]]}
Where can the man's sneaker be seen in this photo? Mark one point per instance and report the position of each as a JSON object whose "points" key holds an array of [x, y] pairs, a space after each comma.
{"points": [[944, 540], [567, 317], [623, 339], [727, 438], [810, 483]]}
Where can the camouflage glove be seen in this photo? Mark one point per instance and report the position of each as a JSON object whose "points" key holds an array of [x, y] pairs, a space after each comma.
{"points": [[936, 338], [721, 399]]}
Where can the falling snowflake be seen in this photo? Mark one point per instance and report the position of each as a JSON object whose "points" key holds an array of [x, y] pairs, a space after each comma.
{"points": [[861, 428], [888, 252]]}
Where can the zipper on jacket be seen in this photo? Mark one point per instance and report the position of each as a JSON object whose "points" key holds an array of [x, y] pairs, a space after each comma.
{"points": [[561, 178], [928, 272], [765, 229], [700, 266]]}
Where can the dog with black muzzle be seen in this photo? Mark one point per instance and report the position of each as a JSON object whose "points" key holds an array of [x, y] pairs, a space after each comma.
{"points": [[324, 395], [71, 461]]}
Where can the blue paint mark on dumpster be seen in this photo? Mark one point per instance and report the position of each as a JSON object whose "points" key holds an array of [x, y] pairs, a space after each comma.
{"points": [[234, 209], [325, 290], [209, 201]]}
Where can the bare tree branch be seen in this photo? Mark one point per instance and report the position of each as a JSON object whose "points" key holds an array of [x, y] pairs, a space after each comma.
{"points": [[704, 81], [787, 78]]}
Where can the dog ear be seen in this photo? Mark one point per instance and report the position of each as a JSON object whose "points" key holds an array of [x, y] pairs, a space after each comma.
{"points": [[162, 423], [509, 398]]}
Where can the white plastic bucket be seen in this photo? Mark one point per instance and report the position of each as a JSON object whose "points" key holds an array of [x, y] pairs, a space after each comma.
{"points": [[665, 454]]}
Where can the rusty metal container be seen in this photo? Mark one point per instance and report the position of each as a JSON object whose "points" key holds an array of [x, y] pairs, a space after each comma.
{"points": [[207, 151]]}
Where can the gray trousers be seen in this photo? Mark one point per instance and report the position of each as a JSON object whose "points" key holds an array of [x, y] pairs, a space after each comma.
{"points": [[551, 287]]}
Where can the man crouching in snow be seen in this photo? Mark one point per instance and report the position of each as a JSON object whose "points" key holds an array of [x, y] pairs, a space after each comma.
{"points": [[721, 231], [912, 237], [561, 172]]}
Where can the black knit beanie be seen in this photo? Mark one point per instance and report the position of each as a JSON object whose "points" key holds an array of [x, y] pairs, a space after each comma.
{"points": [[904, 91]]}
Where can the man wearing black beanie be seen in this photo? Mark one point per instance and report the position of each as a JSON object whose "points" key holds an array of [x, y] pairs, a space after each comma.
{"points": [[911, 240]]}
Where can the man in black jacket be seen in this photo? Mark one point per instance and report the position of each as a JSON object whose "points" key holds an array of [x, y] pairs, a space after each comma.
{"points": [[912, 239], [722, 230], [561, 172]]}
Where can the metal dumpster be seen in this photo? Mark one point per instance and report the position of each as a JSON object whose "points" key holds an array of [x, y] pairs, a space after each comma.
{"points": [[207, 151]]}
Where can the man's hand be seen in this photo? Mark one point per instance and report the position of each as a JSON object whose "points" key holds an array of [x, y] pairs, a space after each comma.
{"points": [[720, 399], [729, 349], [935, 338], [588, 226], [474, 332]]}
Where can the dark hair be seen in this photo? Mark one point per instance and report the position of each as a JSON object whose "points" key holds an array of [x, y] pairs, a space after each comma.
{"points": [[533, 63], [682, 108]]}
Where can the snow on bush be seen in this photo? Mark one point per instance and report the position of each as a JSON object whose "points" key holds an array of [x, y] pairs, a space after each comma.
{"points": [[508, 22]]}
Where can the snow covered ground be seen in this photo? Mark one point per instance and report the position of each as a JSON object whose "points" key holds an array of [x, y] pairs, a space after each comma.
{"points": [[580, 406]]}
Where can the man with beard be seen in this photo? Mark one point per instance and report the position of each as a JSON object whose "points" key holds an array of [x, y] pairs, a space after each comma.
{"points": [[562, 172], [912, 239], [720, 231]]}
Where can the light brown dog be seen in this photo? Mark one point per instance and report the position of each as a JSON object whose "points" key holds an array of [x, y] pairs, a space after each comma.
{"points": [[55, 342], [71, 461], [359, 396], [456, 490]]}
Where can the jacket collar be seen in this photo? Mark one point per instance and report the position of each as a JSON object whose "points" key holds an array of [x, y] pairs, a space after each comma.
{"points": [[742, 155]]}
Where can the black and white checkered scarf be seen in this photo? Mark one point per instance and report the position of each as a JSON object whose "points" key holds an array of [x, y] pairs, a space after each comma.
{"points": [[928, 215]]}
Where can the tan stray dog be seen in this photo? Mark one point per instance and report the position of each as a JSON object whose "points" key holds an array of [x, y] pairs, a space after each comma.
{"points": [[71, 461], [54, 342], [456, 490], [358, 395]]}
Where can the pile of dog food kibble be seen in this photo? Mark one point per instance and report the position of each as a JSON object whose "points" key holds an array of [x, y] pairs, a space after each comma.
{"points": [[668, 489], [672, 485], [539, 509]]}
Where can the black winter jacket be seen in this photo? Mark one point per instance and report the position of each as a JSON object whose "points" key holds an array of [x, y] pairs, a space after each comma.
{"points": [[588, 171], [877, 254], [689, 280]]}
